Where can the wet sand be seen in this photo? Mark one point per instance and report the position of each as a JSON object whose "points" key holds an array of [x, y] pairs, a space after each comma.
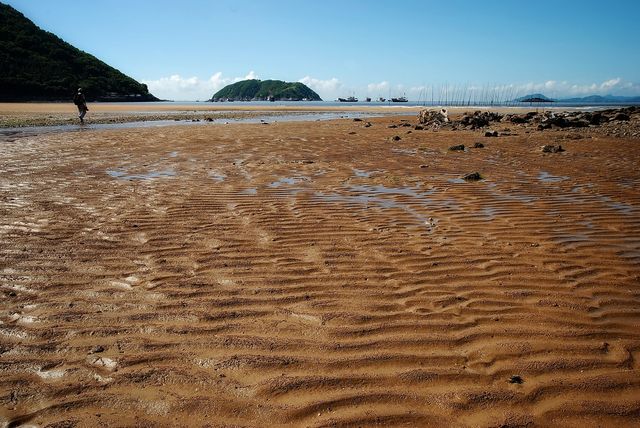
{"points": [[319, 274]]}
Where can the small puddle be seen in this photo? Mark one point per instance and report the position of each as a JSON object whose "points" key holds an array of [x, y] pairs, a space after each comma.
{"points": [[286, 181], [250, 191], [457, 180], [362, 173], [383, 197], [408, 152], [219, 177], [122, 174], [545, 177]]}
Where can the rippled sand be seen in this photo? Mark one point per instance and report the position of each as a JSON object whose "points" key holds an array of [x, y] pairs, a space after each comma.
{"points": [[318, 274]]}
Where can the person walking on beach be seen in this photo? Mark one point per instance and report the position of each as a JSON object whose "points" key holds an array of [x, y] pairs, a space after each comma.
{"points": [[81, 103]]}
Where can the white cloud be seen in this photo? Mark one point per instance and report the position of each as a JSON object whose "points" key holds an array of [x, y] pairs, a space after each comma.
{"points": [[378, 88], [615, 86], [327, 89], [176, 87]]}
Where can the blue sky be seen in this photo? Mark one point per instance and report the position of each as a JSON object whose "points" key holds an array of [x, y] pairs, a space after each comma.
{"points": [[188, 49]]}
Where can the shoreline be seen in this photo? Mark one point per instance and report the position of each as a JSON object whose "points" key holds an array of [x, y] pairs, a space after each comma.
{"points": [[25, 115]]}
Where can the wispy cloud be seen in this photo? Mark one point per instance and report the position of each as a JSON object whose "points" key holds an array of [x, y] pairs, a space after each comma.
{"points": [[176, 87]]}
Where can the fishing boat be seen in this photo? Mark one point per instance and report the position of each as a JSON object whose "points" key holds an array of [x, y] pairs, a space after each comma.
{"points": [[348, 100], [399, 100]]}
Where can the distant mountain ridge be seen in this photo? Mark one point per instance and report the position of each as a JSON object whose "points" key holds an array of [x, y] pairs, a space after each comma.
{"points": [[36, 65], [265, 90], [591, 99]]}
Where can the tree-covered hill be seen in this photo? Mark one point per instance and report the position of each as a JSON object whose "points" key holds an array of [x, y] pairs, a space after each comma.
{"points": [[36, 65], [263, 90]]}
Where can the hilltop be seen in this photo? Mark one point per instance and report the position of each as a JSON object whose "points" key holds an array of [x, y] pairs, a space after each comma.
{"points": [[36, 65], [258, 90]]}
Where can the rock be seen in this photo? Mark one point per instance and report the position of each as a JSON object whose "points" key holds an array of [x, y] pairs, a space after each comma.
{"points": [[423, 166], [622, 117], [516, 379], [457, 147], [550, 148], [480, 119], [357, 119], [491, 134], [418, 127], [392, 126], [478, 146], [474, 176], [431, 117], [96, 349], [367, 124], [209, 119], [396, 138]]}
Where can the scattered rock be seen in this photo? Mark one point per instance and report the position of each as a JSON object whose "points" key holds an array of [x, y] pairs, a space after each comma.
{"points": [[367, 124], [457, 147], [396, 138], [474, 176], [478, 146], [392, 126], [96, 349], [209, 119], [491, 134], [516, 379], [418, 127], [352, 133], [423, 166], [550, 148], [357, 119]]}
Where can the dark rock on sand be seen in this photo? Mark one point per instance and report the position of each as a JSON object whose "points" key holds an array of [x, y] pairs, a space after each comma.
{"points": [[97, 349], [357, 119], [550, 148], [396, 138], [418, 127], [516, 379], [622, 116], [457, 147], [491, 134], [478, 146], [474, 176], [392, 126]]}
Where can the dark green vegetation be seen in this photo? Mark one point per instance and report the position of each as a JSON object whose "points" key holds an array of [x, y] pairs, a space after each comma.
{"points": [[266, 90], [36, 65]]}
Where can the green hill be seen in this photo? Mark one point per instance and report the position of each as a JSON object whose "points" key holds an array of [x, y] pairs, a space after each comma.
{"points": [[264, 90], [36, 65]]}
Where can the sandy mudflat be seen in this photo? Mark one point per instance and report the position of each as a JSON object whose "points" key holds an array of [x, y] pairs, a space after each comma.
{"points": [[319, 274]]}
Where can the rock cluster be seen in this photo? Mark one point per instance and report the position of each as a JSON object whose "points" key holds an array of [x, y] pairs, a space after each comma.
{"points": [[479, 119], [541, 120], [433, 118]]}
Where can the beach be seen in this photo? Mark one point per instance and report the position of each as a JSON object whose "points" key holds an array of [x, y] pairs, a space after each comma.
{"points": [[317, 273]]}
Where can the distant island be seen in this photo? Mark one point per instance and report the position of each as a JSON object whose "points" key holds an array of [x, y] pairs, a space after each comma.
{"points": [[266, 90], [36, 65], [591, 99], [534, 98]]}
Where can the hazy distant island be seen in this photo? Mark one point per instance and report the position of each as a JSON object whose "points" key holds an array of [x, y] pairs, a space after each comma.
{"points": [[36, 65], [266, 90]]}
